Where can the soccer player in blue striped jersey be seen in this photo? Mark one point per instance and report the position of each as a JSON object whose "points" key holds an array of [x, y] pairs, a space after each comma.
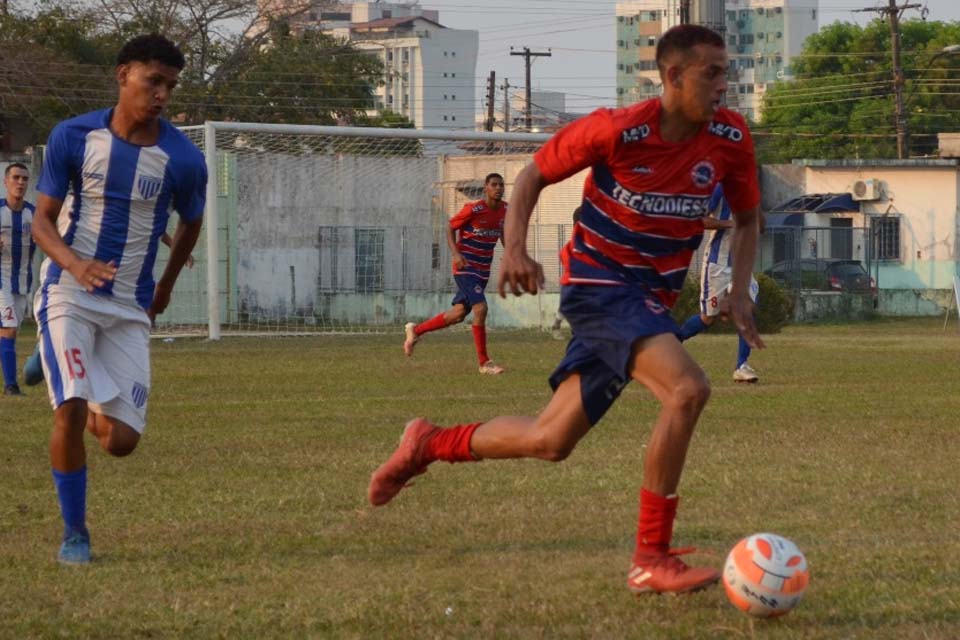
{"points": [[715, 280], [16, 268], [110, 181]]}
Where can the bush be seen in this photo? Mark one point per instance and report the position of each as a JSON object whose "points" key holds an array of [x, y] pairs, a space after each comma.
{"points": [[774, 308]]}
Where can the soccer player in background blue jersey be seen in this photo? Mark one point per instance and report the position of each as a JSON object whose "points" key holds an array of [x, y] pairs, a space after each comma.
{"points": [[16, 268], [715, 280], [110, 180]]}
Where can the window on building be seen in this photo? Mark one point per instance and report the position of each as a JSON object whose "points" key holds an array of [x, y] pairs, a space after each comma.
{"points": [[886, 237], [453, 117], [619, 67], [813, 14], [389, 99], [453, 54], [444, 74], [731, 16], [406, 56], [453, 75], [654, 16], [389, 56], [749, 88], [445, 54], [620, 18], [444, 96], [368, 260], [453, 97], [731, 40], [647, 65], [620, 43], [651, 41], [387, 13], [444, 118]]}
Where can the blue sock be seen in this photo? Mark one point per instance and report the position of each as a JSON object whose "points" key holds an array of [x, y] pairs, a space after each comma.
{"points": [[743, 352], [8, 360], [72, 492], [692, 327]]}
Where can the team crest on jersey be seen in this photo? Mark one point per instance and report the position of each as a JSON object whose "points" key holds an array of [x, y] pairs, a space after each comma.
{"points": [[139, 395], [477, 289], [149, 186], [703, 173]]}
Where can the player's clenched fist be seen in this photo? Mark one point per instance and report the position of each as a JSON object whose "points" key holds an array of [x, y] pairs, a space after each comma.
{"points": [[521, 273]]}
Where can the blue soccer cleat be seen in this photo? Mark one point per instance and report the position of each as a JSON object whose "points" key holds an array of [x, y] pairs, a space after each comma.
{"points": [[75, 548], [33, 369]]}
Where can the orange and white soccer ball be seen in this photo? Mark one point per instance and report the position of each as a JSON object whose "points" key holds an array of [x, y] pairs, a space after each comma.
{"points": [[765, 575]]}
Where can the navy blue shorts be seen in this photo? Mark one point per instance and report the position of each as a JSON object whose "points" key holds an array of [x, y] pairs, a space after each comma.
{"points": [[469, 291], [606, 322]]}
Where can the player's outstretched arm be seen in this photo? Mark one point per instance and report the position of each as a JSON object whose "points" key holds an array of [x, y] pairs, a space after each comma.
{"points": [[184, 239], [91, 273], [517, 269], [747, 232]]}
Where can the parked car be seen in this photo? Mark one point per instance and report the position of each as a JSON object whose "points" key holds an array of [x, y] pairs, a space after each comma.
{"points": [[824, 275]]}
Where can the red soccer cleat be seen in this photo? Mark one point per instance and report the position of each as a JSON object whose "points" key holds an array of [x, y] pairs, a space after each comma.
{"points": [[666, 573], [404, 464]]}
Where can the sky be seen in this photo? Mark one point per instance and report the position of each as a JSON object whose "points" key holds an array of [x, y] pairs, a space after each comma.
{"points": [[581, 35]]}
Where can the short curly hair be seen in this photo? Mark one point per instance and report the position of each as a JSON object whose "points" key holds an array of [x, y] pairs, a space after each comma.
{"points": [[151, 47]]}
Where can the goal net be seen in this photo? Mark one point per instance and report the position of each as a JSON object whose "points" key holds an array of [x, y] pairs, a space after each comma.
{"points": [[339, 229]]}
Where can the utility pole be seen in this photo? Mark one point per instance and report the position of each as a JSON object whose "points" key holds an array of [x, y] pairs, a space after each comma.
{"points": [[528, 55], [491, 96], [893, 11], [684, 11], [506, 104]]}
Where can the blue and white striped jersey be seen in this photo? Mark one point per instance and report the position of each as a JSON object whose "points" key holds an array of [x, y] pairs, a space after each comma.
{"points": [[16, 248], [117, 198], [720, 240]]}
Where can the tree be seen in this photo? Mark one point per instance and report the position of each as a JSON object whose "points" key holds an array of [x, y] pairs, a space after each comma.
{"points": [[306, 78], [841, 103], [58, 61]]}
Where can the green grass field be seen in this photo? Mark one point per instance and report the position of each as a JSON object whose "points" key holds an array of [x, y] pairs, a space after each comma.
{"points": [[243, 512]]}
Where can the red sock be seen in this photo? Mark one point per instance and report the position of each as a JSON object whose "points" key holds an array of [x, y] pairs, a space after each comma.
{"points": [[451, 444], [434, 323], [480, 342], [655, 528]]}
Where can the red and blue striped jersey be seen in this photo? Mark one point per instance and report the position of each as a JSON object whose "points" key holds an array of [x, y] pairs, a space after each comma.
{"points": [[480, 229], [645, 199]]}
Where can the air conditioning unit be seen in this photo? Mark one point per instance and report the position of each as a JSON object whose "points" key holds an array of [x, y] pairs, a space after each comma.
{"points": [[869, 189], [781, 74]]}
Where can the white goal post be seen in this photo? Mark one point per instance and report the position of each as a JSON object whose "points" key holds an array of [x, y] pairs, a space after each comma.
{"points": [[316, 229]]}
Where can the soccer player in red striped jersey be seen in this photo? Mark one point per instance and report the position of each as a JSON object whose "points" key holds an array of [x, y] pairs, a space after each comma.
{"points": [[472, 236], [654, 167]]}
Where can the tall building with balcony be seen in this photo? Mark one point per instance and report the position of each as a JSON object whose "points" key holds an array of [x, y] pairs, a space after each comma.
{"points": [[762, 37]]}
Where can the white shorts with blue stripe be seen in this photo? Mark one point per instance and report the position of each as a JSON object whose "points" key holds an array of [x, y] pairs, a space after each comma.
{"points": [[97, 349], [13, 307], [715, 284]]}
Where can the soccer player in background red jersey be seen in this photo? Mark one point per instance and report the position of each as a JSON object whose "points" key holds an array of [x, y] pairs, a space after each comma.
{"points": [[480, 226], [655, 165]]}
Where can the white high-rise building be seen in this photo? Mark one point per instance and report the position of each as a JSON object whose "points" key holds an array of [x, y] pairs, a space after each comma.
{"points": [[430, 69]]}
